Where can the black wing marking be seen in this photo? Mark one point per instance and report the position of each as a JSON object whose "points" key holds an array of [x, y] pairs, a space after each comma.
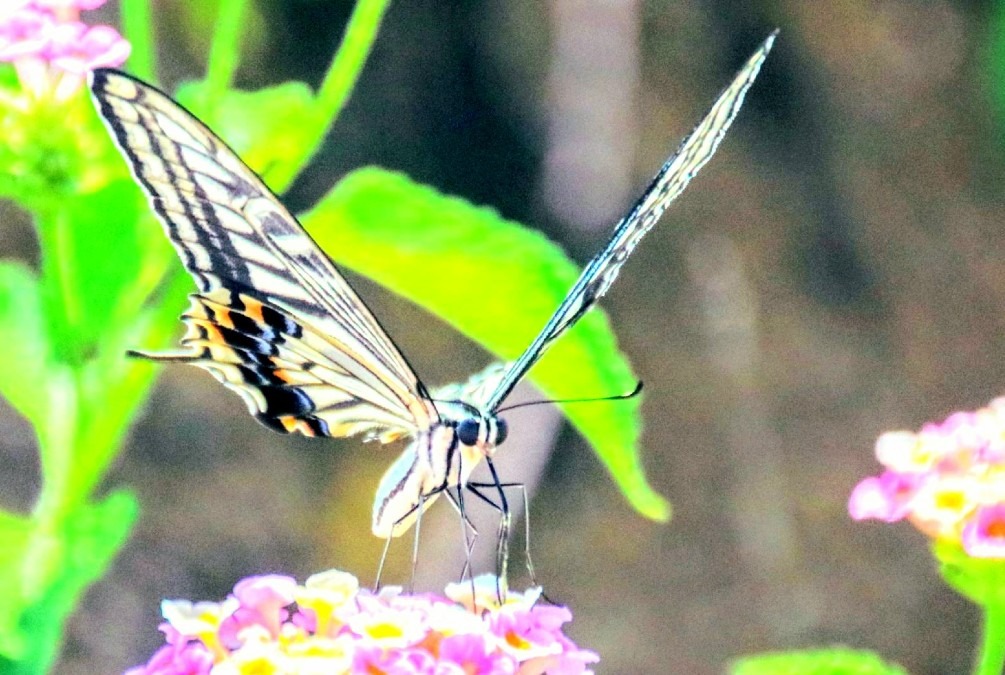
{"points": [[237, 240]]}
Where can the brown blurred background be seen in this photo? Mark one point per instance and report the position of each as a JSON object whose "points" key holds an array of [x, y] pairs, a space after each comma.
{"points": [[838, 270]]}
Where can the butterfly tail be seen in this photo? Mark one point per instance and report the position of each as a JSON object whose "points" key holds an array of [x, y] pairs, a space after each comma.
{"points": [[175, 356]]}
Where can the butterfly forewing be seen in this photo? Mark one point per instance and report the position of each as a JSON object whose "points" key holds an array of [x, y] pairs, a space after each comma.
{"points": [[273, 319], [673, 177]]}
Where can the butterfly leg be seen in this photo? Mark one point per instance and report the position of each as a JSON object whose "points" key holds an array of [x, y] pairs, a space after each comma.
{"points": [[380, 567], [420, 507], [505, 521], [468, 530], [415, 543], [475, 489]]}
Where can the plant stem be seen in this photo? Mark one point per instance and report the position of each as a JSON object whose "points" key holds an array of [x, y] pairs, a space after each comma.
{"points": [[991, 658], [344, 71], [225, 51], [108, 419], [138, 30], [57, 445]]}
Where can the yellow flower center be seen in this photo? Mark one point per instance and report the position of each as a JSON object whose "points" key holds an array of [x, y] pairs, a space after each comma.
{"points": [[385, 630]]}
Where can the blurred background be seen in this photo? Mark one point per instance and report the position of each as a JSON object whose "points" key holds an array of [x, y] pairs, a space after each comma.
{"points": [[838, 270]]}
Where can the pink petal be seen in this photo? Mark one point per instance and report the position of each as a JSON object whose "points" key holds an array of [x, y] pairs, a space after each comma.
{"points": [[24, 32], [885, 497], [263, 600], [984, 535], [63, 5], [77, 51]]}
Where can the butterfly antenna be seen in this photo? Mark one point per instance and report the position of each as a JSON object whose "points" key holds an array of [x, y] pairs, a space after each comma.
{"points": [[616, 397]]}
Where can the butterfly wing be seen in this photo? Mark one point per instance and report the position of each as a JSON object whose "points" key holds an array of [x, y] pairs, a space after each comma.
{"points": [[673, 177], [273, 318]]}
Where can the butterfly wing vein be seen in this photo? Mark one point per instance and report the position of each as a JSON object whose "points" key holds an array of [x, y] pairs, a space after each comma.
{"points": [[244, 249]]}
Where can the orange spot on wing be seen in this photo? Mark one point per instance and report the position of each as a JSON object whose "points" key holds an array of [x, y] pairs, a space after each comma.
{"points": [[305, 428], [213, 333], [223, 317], [253, 308]]}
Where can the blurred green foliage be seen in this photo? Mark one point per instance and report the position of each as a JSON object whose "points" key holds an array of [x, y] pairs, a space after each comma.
{"points": [[831, 661]]}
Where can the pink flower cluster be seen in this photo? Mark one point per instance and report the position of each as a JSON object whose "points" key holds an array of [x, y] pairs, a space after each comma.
{"points": [[948, 479], [270, 624], [50, 47]]}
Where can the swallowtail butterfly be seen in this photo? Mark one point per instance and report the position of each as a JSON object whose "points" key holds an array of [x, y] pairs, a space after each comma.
{"points": [[275, 321]]}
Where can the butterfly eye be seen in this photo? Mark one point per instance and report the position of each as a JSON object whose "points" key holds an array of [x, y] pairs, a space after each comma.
{"points": [[502, 430], [467, 431]]}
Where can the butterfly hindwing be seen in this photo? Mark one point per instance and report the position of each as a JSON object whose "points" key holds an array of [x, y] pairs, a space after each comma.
{"points": [[254, 265]]}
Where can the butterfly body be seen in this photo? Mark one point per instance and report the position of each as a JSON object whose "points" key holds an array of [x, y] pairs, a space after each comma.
{"points": [[437, 460], [275, 321]]}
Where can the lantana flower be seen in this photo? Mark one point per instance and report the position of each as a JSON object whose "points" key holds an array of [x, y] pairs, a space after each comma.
{"points": [[52, 50], [328, 625], [948, 479]]}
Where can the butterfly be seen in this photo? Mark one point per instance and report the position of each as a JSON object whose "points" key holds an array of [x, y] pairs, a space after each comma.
{"points": [[275, 321]]}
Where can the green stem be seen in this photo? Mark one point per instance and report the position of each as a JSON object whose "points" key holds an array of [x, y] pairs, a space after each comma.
{"points": [[126, 387], [344, 71], [991, 658], [64, 310], [56, 441], [137, 28], [225, 52]]}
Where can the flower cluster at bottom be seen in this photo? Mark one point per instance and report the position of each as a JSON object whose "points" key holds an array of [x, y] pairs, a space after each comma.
{"points": [[948, 479], [328, 625]]}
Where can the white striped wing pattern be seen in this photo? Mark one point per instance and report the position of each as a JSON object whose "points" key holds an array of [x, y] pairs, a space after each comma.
{"points": [[273, 318]]}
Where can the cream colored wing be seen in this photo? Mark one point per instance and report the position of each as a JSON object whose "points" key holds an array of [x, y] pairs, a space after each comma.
{"points": [[273, 318]]}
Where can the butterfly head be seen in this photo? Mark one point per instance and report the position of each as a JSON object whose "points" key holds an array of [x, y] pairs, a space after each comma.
{"points": [[475, 428], [488, 430]]}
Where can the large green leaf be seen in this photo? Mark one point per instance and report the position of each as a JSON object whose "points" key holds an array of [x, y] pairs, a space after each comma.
{"points": [[267, 127], [498, 283], [828, 661], [26, 347], [102, 255]]}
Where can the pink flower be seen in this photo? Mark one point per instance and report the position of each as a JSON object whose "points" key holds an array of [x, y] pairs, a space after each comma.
{"points": [[256, 629], [178, 657], [984, 534], [52, 50], [372, 659], [947, 479], [526, 634], [572, 661], [261, 602], [77, 48], [77, 5], [463, 654], [886, 497], [23, 32]]}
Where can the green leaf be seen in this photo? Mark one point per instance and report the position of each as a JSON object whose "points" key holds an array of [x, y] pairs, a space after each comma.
{"points": [[267, 127], [102, 256], [87, 541], [982, 580], [498, 283], [26, 345], [828, 661]]}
